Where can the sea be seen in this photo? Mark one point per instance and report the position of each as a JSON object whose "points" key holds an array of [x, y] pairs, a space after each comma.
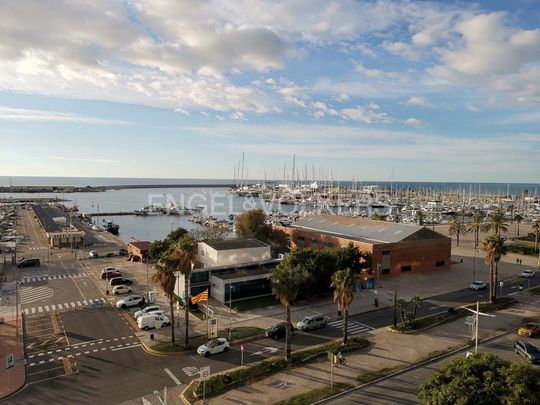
{"points": [[216, 201]]}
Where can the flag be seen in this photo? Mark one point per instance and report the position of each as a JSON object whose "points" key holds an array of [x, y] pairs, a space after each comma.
{"points": [[200, 297]]}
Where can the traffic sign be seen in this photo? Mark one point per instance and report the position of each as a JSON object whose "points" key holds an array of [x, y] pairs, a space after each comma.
{"points": [[242, 347], [10, 361], [205, 372]]}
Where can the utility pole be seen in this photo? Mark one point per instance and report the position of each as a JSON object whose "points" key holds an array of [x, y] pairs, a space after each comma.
{"points": [[477, 313]]}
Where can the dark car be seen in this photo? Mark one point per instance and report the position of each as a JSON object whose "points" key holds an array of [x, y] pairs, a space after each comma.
{"points": [[527, 350], [120, 281], [278, 331], [110, 274], [28, 262]]}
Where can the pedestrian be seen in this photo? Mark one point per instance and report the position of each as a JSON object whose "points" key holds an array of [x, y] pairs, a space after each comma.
{"points": [[520, 261], [376, 302], [517, 260]]}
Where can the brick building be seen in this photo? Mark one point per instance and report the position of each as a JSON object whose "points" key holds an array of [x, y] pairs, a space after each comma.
{"points": [[395, 248]]}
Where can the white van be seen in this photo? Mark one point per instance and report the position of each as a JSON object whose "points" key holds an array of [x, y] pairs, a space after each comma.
{"points": [[152, 321]]}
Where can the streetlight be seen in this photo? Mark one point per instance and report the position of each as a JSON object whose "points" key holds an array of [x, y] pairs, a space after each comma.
{"points": [[378, 271], [230, 310], [474, 265]]}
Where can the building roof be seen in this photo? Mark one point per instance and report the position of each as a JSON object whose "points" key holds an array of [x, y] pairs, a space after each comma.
{"points": [[262, 272], [230, 244], [141, 245], [365, 230], [45, 216]]}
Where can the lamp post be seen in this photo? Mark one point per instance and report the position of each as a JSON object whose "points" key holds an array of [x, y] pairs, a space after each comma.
{"points": [[477, 313], [474, 265], [230, 310], [378, 271], [147, 260]]}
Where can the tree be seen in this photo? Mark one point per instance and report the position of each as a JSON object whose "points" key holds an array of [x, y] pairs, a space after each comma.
{"points": [[495, 222], [457, 228], [419, 217], [408, 315], [209, 233], [165, 278], [536, 230], [161, 247], [183, 254], [252, 224], [343, 283], [493, 247], [518, 218], [287, 281], [484, 379], [477, 224]]}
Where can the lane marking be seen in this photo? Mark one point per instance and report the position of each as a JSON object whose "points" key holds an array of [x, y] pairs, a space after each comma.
{"points": [[173, 377], [127, 347]]}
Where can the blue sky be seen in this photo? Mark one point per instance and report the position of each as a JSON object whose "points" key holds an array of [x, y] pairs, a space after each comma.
{"points": [[428, 91]]}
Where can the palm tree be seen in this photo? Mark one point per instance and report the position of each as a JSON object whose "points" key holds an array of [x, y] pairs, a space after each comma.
{"points": [[493, 247], [183, 255], [343, 283], [457, 228], [536, 230], [477, 224], [518, 218], [165, 278], [287, 281], [495, 222]]}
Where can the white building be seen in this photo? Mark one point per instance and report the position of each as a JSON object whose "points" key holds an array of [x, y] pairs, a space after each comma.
{"points": [[232, 251]]}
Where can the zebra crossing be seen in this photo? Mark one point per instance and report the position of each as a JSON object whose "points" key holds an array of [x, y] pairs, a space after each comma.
{"points": [[66, 306], [354, 328], [39, 248], [35, 279], [32, 294]]}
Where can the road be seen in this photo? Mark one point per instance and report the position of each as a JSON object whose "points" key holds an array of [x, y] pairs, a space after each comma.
{"points": [[404, 387]]}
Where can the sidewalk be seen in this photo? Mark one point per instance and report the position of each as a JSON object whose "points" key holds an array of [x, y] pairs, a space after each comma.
{"points": [[387, 350], [11, 343]]}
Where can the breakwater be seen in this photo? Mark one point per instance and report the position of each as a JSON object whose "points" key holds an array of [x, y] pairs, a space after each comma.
{"points": [[94, 189]]}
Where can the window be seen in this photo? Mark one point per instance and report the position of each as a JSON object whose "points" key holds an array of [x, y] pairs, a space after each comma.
{"points": [[406, 268], [300, 241], [385, 271], [314, 242], [439, 263], [385, 252], [328, 245]]}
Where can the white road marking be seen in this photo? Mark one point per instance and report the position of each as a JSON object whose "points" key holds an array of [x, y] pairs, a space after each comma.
{"points": [[173, 377], [127, 347]]}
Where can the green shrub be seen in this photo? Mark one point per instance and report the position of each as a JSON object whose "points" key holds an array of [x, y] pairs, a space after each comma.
{"points": [[316, 395]]}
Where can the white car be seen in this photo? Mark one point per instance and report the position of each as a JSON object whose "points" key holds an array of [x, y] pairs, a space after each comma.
{"points": [[528, 273], [478, 285], [93, 254], [109, 269], [152, 321], [149, 309], [213, 346], [130, 301], [121, 289]]}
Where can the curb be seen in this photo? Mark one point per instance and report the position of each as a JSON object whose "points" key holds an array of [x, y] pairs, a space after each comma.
{"points": [[413, 367]]}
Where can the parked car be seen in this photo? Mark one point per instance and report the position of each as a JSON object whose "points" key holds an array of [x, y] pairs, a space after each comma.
{"points": [[130, 301], [278, 331], [152, 321], [527, 350], [529, 329], [213, 346], [110, 272], [478, 285], [148, 310], [93, 254], [31, 262], [121, 289], [120, 281], [528, 273], [312, 322]]}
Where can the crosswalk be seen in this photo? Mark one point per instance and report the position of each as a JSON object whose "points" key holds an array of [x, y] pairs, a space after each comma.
{"points": [[32, 294], [354, 328], [39, 248], [35, 279], [66, 306]]}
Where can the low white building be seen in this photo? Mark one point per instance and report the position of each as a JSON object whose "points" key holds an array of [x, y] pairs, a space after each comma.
{"points": [[232, 251]]}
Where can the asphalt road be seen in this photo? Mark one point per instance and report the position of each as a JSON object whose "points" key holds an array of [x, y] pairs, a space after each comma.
{"points": [[403, 388]]}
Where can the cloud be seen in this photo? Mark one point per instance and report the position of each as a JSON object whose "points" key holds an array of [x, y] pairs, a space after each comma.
{"points": [[472, 107], [402, 49], [20, 114], [419, 100], [414, 122], [237, 115]]}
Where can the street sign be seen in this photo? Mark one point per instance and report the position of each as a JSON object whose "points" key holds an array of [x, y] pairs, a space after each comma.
{"points": [[205, 372], [10, 361], [242, 347], [501, 284]]}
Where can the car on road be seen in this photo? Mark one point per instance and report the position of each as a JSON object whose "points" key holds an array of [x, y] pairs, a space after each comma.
{"points": [[529, 329], [120, 281], [527, 350], [121, 289], [152, 321], [110, 272], [278, 331], [478, 285], [147, 310], [213, 346], [528, 273], [312, 322], [130, 301], [93, 254], [31, 262]]}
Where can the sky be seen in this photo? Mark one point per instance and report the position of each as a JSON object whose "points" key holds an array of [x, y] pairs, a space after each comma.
{"points": [[365, 90]]}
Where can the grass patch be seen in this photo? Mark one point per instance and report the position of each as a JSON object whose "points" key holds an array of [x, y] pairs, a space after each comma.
{"points": [[375, 375], [241, 332], [198, 313], [354, 343], [521, 249], [315, 395], [535, 290], [255, 303]]}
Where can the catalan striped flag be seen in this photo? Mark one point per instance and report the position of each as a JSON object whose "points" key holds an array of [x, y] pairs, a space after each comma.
{"points": [[200, 297]]}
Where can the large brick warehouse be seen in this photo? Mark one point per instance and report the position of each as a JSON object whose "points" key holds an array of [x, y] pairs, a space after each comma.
{"points": [[395, 248]]}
